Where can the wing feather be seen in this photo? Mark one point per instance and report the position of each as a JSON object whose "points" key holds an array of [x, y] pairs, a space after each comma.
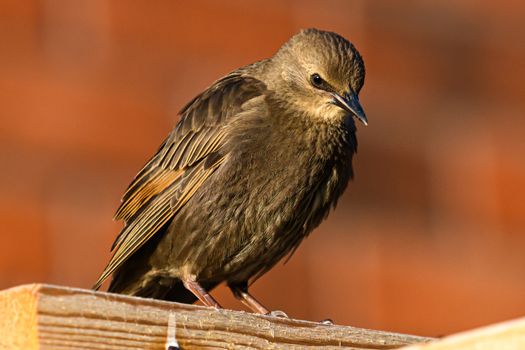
{"points": [[186, 159]]}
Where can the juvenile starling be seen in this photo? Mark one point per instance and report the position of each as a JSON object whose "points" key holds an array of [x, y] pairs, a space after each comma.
{"points": [[255, 163]]}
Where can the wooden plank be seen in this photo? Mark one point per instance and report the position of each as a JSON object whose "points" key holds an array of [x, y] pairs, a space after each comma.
{"points": [[50, 317], [508, 335], [18, 324]]}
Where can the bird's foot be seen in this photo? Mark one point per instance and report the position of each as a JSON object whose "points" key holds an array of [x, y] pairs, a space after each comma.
{"points": [[327, 321], [278, 313]]}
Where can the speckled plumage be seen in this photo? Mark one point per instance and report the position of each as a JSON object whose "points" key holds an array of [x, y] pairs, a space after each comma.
{"points": [[253, 166]]}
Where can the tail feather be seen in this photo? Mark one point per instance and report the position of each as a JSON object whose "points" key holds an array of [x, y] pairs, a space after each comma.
{"points": [[151, 288]]}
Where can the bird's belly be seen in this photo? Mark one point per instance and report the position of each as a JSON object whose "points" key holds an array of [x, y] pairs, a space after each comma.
{"points": [[228, 244], [235, 227]]}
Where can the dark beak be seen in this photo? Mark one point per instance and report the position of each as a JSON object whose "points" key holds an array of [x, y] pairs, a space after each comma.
{"points": [[350, 103]]}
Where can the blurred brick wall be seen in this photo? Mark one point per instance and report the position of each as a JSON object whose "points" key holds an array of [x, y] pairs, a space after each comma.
{"points": [[429, 238]]}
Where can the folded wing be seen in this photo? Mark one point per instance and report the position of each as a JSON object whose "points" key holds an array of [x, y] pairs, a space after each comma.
{"points": [[186, 159]]}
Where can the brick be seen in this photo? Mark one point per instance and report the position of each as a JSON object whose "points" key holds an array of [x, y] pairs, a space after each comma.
{"points": [[24, 249], [79, 116], [184, 27], [450, 282]]}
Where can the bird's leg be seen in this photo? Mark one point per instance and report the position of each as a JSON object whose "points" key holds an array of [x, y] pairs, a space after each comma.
{"points": [[201, 293], [240, 291]]}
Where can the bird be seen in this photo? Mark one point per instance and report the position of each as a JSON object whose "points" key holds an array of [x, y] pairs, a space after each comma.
{"points": [[254, 164]]}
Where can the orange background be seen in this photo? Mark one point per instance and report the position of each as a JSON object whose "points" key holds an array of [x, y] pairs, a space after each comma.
{"points": [[430, 237]]}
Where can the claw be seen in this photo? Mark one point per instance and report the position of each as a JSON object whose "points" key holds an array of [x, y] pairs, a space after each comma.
{"points": [[278, 313], [327, 321]]}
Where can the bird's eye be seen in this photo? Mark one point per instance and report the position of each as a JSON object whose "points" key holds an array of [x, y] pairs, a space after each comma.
{"points": [[316, 80]]}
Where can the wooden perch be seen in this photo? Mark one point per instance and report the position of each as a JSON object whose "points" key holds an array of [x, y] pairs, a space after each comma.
{"points": [[508, 335], [47, 317]]}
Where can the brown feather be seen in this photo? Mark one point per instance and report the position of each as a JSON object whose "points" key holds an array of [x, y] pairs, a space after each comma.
{"points": [[158, 180], [182, 164]]}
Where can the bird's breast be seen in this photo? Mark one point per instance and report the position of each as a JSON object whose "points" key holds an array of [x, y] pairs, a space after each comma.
{"points": [[289, 180], [266, 197]]}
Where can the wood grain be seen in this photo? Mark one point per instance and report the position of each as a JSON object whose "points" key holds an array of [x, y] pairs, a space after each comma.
{"points": [[508, 335], [50, 317]]}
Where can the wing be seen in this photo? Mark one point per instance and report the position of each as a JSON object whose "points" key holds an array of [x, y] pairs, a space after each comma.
{"points": [[188, 156]]}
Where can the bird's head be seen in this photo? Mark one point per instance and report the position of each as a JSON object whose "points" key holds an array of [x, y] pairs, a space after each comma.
{"points": [[321, 73]]}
